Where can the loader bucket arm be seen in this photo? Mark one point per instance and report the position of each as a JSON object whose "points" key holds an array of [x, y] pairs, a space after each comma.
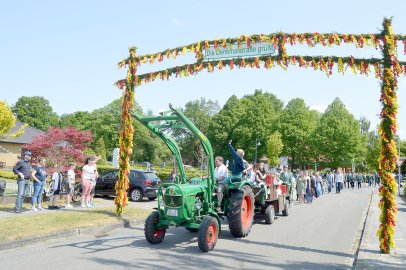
{"points": [[170, 143], [205, 143]]}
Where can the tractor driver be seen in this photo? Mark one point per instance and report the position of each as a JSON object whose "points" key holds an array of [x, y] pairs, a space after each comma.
{"points": [[237, 170], [221, 171]]}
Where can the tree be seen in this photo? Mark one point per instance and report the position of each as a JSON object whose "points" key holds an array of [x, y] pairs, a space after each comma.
{"points": [[200, 112], [337, 136], [8, 121], [104, 123], [36, 112], [80, 120], [245, 120], [100, 149], [61, 145], [372, 152], [366, 145], [274, 148], [296, 125]]}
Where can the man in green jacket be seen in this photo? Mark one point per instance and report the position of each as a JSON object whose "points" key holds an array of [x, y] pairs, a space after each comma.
{"points": [[287, 178]]}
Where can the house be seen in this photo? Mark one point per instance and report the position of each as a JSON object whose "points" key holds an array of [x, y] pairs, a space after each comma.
{"points": [[11, 148]]}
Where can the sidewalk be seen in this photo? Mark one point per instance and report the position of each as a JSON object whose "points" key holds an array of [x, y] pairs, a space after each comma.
{"points": [[126, 221], [369, 256]]}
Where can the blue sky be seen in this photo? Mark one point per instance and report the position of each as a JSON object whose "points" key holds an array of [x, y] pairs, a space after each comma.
{"points": [[67, 51]]}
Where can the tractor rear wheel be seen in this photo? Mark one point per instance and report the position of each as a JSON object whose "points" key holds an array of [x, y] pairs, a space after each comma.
{"points": [[208, 233], [151, 232], [241, 212], [287, 208], [269, 214]]}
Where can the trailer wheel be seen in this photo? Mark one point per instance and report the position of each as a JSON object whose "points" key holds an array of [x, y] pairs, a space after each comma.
{"points": [[269, 214], [153, 234], [241, 212], [287, 208], [208, 233]]}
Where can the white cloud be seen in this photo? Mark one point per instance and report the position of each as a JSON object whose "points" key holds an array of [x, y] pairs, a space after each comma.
{"points": [[176, 22], [319, 108]]}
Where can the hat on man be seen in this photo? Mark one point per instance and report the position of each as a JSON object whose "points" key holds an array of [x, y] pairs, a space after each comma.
{"points": [[27, 153]]}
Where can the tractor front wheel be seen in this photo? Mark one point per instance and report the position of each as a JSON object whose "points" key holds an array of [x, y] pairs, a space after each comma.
{"points": [[208, 233], [241, 212], [153, 234]]}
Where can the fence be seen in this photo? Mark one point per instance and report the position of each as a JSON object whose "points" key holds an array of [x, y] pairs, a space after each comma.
{"points": [[12, 189]]}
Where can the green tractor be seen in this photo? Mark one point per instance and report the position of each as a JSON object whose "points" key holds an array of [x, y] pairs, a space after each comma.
{"points": [[192, 203]]}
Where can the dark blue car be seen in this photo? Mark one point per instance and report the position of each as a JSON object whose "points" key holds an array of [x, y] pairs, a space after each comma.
{"points": [[142, 184]]}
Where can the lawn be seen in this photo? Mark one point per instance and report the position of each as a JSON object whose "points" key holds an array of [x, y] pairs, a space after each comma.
{"points": [[46, 222]]}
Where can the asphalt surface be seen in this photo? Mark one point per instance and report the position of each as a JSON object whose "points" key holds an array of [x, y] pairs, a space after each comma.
{"points": [[322, 235]]}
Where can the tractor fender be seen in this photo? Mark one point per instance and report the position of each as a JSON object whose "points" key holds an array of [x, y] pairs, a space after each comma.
{"points": [[214, 214], [245, 183]]}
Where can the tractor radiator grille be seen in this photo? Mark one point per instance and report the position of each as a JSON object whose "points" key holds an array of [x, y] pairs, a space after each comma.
{"points": [[173, 201]]}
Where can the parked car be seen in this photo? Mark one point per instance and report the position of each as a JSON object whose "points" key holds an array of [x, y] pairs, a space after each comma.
{"points": [[142, 184]]}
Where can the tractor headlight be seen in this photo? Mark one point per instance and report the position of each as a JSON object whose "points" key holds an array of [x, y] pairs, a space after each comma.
{"points": [[198, 203], [162, 203]]}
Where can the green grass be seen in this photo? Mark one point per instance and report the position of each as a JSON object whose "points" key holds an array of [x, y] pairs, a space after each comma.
{"points": [[44, 223]]}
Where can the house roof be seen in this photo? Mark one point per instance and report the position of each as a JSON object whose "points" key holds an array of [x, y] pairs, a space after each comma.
{"points": [[26, 137]]}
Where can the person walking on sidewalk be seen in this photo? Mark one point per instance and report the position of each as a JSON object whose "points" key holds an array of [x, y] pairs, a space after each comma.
{"points": [[359, 180], [330, 180], [39, 175], [339, 180], [22, 169]]}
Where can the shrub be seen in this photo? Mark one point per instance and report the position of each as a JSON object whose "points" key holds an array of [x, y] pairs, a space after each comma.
{"points": [[7, 174]]}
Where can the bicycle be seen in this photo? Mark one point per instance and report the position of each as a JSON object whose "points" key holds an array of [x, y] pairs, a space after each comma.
{"points": [[77, 192]]}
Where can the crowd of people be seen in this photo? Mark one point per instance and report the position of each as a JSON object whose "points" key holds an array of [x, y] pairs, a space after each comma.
{"points": [[27, 170], [304, 185]]}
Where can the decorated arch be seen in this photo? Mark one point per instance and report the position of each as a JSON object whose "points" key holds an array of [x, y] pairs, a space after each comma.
{"points": [[268, 51]]}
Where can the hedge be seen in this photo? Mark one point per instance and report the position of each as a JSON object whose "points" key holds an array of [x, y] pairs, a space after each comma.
{"points": [[8, 174], [163, 173]]}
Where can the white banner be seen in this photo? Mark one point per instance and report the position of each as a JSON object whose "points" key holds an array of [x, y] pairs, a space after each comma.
{"points": [[232, 51]]}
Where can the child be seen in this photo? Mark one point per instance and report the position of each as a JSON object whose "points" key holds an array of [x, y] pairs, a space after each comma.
{"points": [[70, 185], [55, 186]]}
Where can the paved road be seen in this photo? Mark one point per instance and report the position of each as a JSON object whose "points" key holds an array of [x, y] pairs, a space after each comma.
{"points": [[317, 236]]}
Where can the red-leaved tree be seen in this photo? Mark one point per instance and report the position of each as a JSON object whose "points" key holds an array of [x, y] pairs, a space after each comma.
{"points": [[61, 145]]}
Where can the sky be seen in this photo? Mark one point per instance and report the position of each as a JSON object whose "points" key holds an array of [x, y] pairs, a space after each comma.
{"points": [[67, 51]]}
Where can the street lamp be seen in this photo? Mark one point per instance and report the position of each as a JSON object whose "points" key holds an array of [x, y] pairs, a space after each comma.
{"points": [[257, 143]]}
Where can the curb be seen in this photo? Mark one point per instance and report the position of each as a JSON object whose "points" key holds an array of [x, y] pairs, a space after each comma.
{"points": [[68, 233], [365, 222]]}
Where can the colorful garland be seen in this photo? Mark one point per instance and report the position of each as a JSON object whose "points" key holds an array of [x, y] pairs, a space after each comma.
{"points": [[126, 137], [324, 64], [387, 131], [386, 69], [277, 39]]}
